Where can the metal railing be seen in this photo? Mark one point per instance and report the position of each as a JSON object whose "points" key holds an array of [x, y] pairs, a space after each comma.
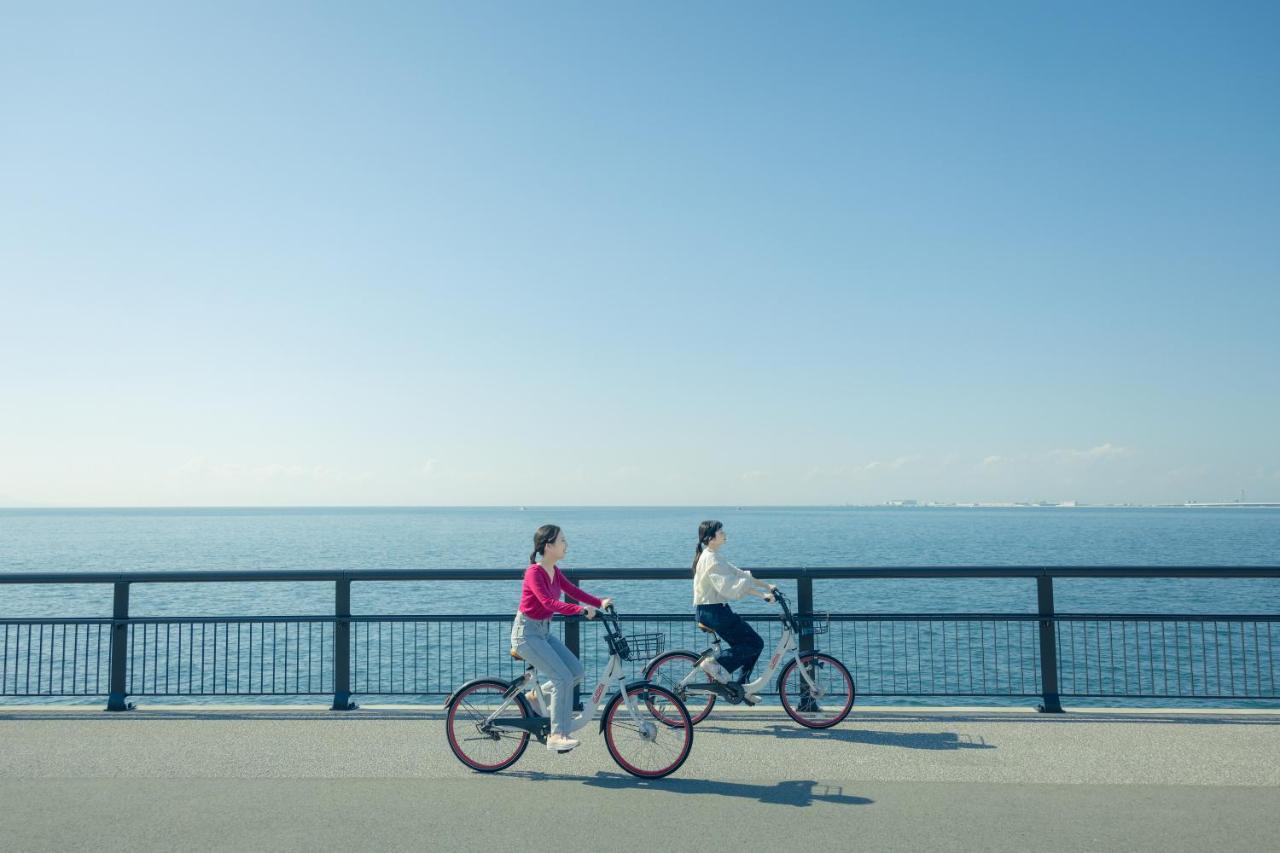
{"points": [[1044, 654]]}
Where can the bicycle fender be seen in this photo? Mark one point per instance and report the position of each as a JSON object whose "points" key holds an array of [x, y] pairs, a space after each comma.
{"points": [[448, 702], [619, 697]]}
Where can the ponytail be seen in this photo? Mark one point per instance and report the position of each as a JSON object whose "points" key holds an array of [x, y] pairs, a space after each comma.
{"points": [[707, 531], [545, 535]]}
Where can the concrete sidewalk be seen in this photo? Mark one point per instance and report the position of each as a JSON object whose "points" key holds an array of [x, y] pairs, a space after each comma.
{"points": [[384, 779]]}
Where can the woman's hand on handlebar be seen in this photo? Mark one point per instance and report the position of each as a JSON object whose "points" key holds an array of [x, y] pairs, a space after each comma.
{"points": [[772, 595], [588, 611], [606, 604]]}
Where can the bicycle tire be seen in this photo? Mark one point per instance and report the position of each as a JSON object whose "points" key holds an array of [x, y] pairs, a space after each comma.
{"points": [[795, 695], [468, 708], [666, 670], [666, 746]]}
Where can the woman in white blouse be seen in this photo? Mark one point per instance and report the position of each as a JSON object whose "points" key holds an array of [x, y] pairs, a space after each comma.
{"points": [[716, 582]]}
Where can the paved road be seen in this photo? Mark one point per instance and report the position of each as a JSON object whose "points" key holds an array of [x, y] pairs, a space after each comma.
{"points": [[385, 780]]}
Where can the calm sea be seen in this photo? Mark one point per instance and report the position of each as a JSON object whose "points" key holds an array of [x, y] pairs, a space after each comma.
{"points": [[263, 539], [258, 539]]}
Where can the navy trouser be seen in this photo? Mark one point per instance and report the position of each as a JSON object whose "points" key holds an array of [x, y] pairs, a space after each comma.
{"points": [[745, 644]]}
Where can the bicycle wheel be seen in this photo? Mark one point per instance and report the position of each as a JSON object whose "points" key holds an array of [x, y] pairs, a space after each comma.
{"points": [[667, 671], [475, 744], [644, 747], [831, 702]]}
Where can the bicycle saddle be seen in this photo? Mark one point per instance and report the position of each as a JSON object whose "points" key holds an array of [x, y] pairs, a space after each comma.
{"points": [[702, 627], [515, 654]]}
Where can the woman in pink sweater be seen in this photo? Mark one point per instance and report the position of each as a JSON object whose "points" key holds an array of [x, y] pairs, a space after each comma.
{"points": [[531, 635]]}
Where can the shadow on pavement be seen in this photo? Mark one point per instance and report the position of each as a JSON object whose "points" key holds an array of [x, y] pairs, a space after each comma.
{"points": [[906, 740], [792, 792]]}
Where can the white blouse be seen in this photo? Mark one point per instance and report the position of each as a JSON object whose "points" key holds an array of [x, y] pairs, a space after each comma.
{"points": [[717, 581]]}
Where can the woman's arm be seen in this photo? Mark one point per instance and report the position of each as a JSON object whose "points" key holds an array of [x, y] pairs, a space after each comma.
{"points": [[576, 593], [728, 580]]}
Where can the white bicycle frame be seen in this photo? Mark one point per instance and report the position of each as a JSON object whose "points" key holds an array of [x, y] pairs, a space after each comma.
{"points": [[612, 678], [787, 648]]}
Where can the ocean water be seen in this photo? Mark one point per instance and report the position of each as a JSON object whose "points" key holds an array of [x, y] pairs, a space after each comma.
{"points": [[462, 538], [128, 540]]}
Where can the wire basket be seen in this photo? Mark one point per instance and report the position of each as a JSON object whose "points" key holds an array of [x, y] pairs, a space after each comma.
{"points": [[640, 647], [819, 623]]}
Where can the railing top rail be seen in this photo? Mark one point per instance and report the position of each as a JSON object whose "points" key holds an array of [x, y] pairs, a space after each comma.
{"points": [[774, 573]]}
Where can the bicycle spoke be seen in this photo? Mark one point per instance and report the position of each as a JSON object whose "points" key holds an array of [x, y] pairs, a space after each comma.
{"points": [[649, 747], [480, 750]]}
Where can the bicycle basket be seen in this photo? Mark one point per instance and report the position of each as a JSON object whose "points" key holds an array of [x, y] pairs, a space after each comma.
{"points": [[640, 647], [816, 624]]}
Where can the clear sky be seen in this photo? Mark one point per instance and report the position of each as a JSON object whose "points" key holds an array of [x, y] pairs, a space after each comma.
{"points": [[658, 253]]}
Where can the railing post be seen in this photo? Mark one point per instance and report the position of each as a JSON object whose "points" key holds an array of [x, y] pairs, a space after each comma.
{"points": [[804, 605], [119, 649], [573, 642], [1048, 646], [342, 648]]}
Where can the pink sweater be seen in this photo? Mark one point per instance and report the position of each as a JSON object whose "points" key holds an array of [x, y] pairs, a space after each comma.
{"points": [[540, 597]]}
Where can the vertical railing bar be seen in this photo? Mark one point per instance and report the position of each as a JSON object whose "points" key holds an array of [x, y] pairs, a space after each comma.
{"points": [[1111, 653], [1124, 646], [995, 656], [1048, 645], [1164, 656], [274, 651], [1271, 659], [1151, 656], [880, 653], [968, 641], [1257, 658], [1178, 655], [119, 649], [1231, 665], [62, 665], [342, 647], [1217, 657], [40, 641], [919, 655]]}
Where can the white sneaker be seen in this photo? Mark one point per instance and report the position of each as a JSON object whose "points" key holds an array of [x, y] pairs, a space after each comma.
{"points": [[560, 743], [715, 670]]}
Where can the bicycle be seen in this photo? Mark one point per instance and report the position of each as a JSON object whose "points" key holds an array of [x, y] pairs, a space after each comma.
{"points": [[489, 721], [807, 677]]}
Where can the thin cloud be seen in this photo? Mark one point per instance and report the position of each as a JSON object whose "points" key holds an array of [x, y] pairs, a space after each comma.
{"points": [[1102, 451], [893, 464]]}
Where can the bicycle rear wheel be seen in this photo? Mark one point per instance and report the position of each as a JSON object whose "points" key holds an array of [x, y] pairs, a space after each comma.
{"points": [[831, 702], [667, 671], [477, 745], [648, 747]]}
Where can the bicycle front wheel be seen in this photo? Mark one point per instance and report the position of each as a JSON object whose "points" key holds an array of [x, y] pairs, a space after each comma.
{"points": [[477, 744], [824, 706], [648, 746], [667, 671]]}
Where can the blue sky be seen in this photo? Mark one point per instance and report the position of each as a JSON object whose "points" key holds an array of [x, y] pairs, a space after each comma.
{"points": [[638, 254]]}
